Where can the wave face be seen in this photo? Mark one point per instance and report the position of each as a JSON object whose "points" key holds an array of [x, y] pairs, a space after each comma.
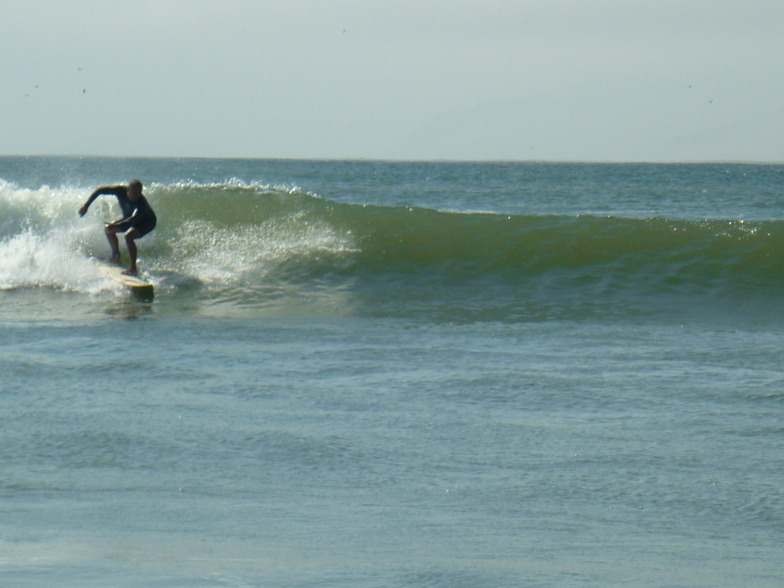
{"points": [[233, 247]]}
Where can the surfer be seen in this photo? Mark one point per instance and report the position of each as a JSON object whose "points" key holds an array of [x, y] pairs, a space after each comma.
{"points": [[138, 219]]}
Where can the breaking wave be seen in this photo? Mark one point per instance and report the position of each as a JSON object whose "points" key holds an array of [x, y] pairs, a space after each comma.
{"points": [[237, 246]]}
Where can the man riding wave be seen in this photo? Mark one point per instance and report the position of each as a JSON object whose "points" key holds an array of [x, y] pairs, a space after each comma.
{"points": [[138, 219]]}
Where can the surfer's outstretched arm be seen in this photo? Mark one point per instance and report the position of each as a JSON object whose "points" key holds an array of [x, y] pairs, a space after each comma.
{"points": [[113, 190]]}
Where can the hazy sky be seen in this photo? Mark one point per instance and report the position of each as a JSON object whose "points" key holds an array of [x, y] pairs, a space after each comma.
{"points": [[590, 80]]}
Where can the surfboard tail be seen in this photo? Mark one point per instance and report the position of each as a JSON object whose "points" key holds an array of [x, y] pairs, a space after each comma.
{"points": [[136, 284]]}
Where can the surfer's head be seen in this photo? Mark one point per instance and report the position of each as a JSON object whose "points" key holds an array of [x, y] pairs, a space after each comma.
{"points": [[134, 189]]}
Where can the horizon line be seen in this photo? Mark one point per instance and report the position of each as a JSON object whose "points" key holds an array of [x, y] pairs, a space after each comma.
{"points": [[415, 160]]}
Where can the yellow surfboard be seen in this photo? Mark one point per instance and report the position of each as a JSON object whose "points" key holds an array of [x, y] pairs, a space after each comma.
{"points": [[115, 272]]}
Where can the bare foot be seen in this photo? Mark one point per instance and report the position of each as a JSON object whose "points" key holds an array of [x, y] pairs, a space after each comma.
{"points": [[130, 272]]}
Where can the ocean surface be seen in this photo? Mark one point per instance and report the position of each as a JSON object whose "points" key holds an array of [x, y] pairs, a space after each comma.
{"points": [[379, 374]]}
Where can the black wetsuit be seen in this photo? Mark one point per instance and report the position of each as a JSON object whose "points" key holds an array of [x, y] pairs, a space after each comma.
{"points": [[137, 215]]}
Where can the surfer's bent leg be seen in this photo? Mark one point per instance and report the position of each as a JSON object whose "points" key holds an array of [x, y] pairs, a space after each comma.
{"points": [[111, 234], [132, 250]]}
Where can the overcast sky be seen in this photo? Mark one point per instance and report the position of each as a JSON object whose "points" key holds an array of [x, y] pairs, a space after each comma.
{"points": [[589, 80]]}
